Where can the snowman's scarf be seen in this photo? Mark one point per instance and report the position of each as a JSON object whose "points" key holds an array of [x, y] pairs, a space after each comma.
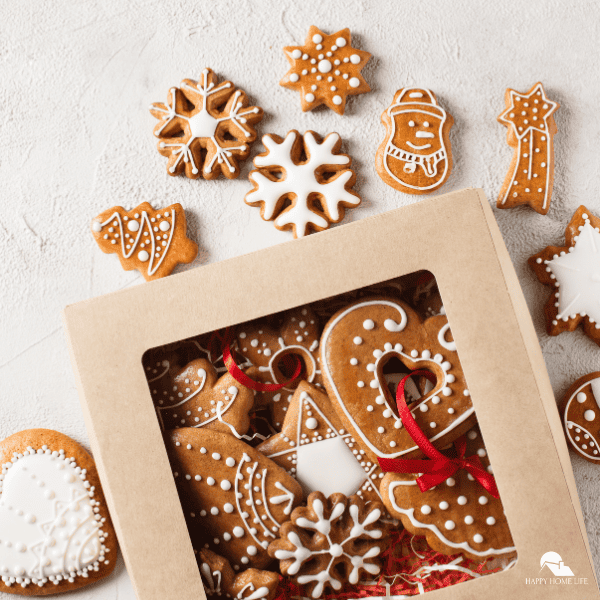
{"points": [[428, 162]]}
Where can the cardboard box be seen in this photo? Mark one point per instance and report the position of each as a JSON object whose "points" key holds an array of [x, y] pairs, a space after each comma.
{"points": [[455, 237]]}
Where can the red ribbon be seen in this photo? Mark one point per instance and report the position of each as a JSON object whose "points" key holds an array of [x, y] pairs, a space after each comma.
{"points": [[241, 377], [439, 466]]}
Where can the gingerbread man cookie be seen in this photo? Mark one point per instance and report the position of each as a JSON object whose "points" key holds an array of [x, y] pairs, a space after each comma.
{"points": [[326, 70], [205, 128], [219, 579], [153, 241], [581, 416], [264, 346], [415, 157], [331, 542], [458, 515], [573, 271], [356, 345], [531, 128], [234, 498], [312, 434], [55, 531], [196, 397], [302, 183]]}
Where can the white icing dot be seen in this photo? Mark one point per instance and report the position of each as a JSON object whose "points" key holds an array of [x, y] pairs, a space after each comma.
{"points": [[238, 532], [230, 462], [490, 521], [444, 505], [337, 100], [317, 38], [309, 97], [354, 82], [425, 509], [478, 538], [143, 255], [324, 66], [133, 226], [210, 481], [228, 508], [450, 525], [589, 415], [368, 324], [358, 340], [225, 485], [251, 550], [296, 53], [462, 500], [353, 362], [581, 397], [355, 59], [164, 226], [469, 520], [312, 423], [340, 42], [483, 500]]}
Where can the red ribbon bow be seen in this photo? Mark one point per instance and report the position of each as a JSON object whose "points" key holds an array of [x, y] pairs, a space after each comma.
{"points": [[439, 466], [239, 375]]}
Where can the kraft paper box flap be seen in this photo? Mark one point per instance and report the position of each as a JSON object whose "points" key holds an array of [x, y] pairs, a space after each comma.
{"points": [[456, 238]]}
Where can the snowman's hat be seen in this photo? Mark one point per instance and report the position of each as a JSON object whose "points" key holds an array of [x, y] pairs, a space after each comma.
{"points": [[416, 99]]}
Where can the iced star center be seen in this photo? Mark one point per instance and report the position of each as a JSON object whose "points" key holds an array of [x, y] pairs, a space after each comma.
{"points": [[203, 125]]}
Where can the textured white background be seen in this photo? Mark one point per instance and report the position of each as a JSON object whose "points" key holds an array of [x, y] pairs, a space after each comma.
{"points": [[76, 82]]}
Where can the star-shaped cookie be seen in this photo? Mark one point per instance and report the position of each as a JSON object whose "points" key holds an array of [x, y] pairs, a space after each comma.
{"points": [[531, 129], [315, 449], [573, 271], [326, 70]]}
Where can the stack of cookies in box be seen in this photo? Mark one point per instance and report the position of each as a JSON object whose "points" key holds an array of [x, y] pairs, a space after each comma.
{"points": [[282, 477]]}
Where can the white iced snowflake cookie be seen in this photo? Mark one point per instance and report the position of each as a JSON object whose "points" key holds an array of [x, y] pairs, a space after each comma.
{"points": [[55, 530], [331, 542], [581, 416], [573, 271], [302, 183], [458, 515], [205, 128], [234, 498]]}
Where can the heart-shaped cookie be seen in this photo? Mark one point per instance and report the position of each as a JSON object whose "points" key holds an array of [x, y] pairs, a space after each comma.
{"points": [[196, 397], [457, 515], [234, 498], [264, 346], [355, 346], [55, 531], [581, 416]]}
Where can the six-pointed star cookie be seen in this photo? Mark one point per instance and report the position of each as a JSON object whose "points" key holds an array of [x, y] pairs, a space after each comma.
{"points": [[314, 448], [574, 271], [326, 70]]}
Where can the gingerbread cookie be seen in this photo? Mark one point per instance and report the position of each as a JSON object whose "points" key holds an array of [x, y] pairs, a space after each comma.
{"points": [[326, 70], [234, 498], [415, 157], [205, 128], [331, 542], [55, 531], [458, 515], [196, 397], [312, 434], [302, 183], [573, 271], [264, 346], [531, 128], [355, 347], [581, 416], [152, 241], [219, 579]]}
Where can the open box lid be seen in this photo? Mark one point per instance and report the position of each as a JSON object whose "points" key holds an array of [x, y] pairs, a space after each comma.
{"points": [[455, 236]]}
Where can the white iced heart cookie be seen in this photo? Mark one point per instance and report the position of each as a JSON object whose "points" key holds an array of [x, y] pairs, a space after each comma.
{"points": [[55, 531]]}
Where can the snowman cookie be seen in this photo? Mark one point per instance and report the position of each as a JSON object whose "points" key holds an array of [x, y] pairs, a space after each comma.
{"points": [[234, 498], [415, 157], [458, 515], [55, 531], [356, 346], [581, 416]]}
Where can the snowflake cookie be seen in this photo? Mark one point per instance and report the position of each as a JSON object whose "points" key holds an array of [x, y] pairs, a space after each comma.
{"points": [[326, 70], [312, 434], [205, 128], [529, 118], [456, 516], [153, 241], [573, 271], [331, 542], [219, 579], [55, 528], [234, 498], [302, 183], [581, 416]]}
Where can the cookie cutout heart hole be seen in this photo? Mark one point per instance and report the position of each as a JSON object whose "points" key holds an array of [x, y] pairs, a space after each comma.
{"points": [[285, 366]]}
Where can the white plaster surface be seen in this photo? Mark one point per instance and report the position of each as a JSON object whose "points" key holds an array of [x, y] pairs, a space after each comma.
{"points": [[76, 82]]}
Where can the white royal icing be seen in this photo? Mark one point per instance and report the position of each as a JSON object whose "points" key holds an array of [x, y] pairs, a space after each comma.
{"points": [[577, 276], [591, 451], [50, 529], [301, 180]]}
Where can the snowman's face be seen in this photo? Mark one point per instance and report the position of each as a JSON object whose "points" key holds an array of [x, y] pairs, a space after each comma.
{"points": [[418, 132]]}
